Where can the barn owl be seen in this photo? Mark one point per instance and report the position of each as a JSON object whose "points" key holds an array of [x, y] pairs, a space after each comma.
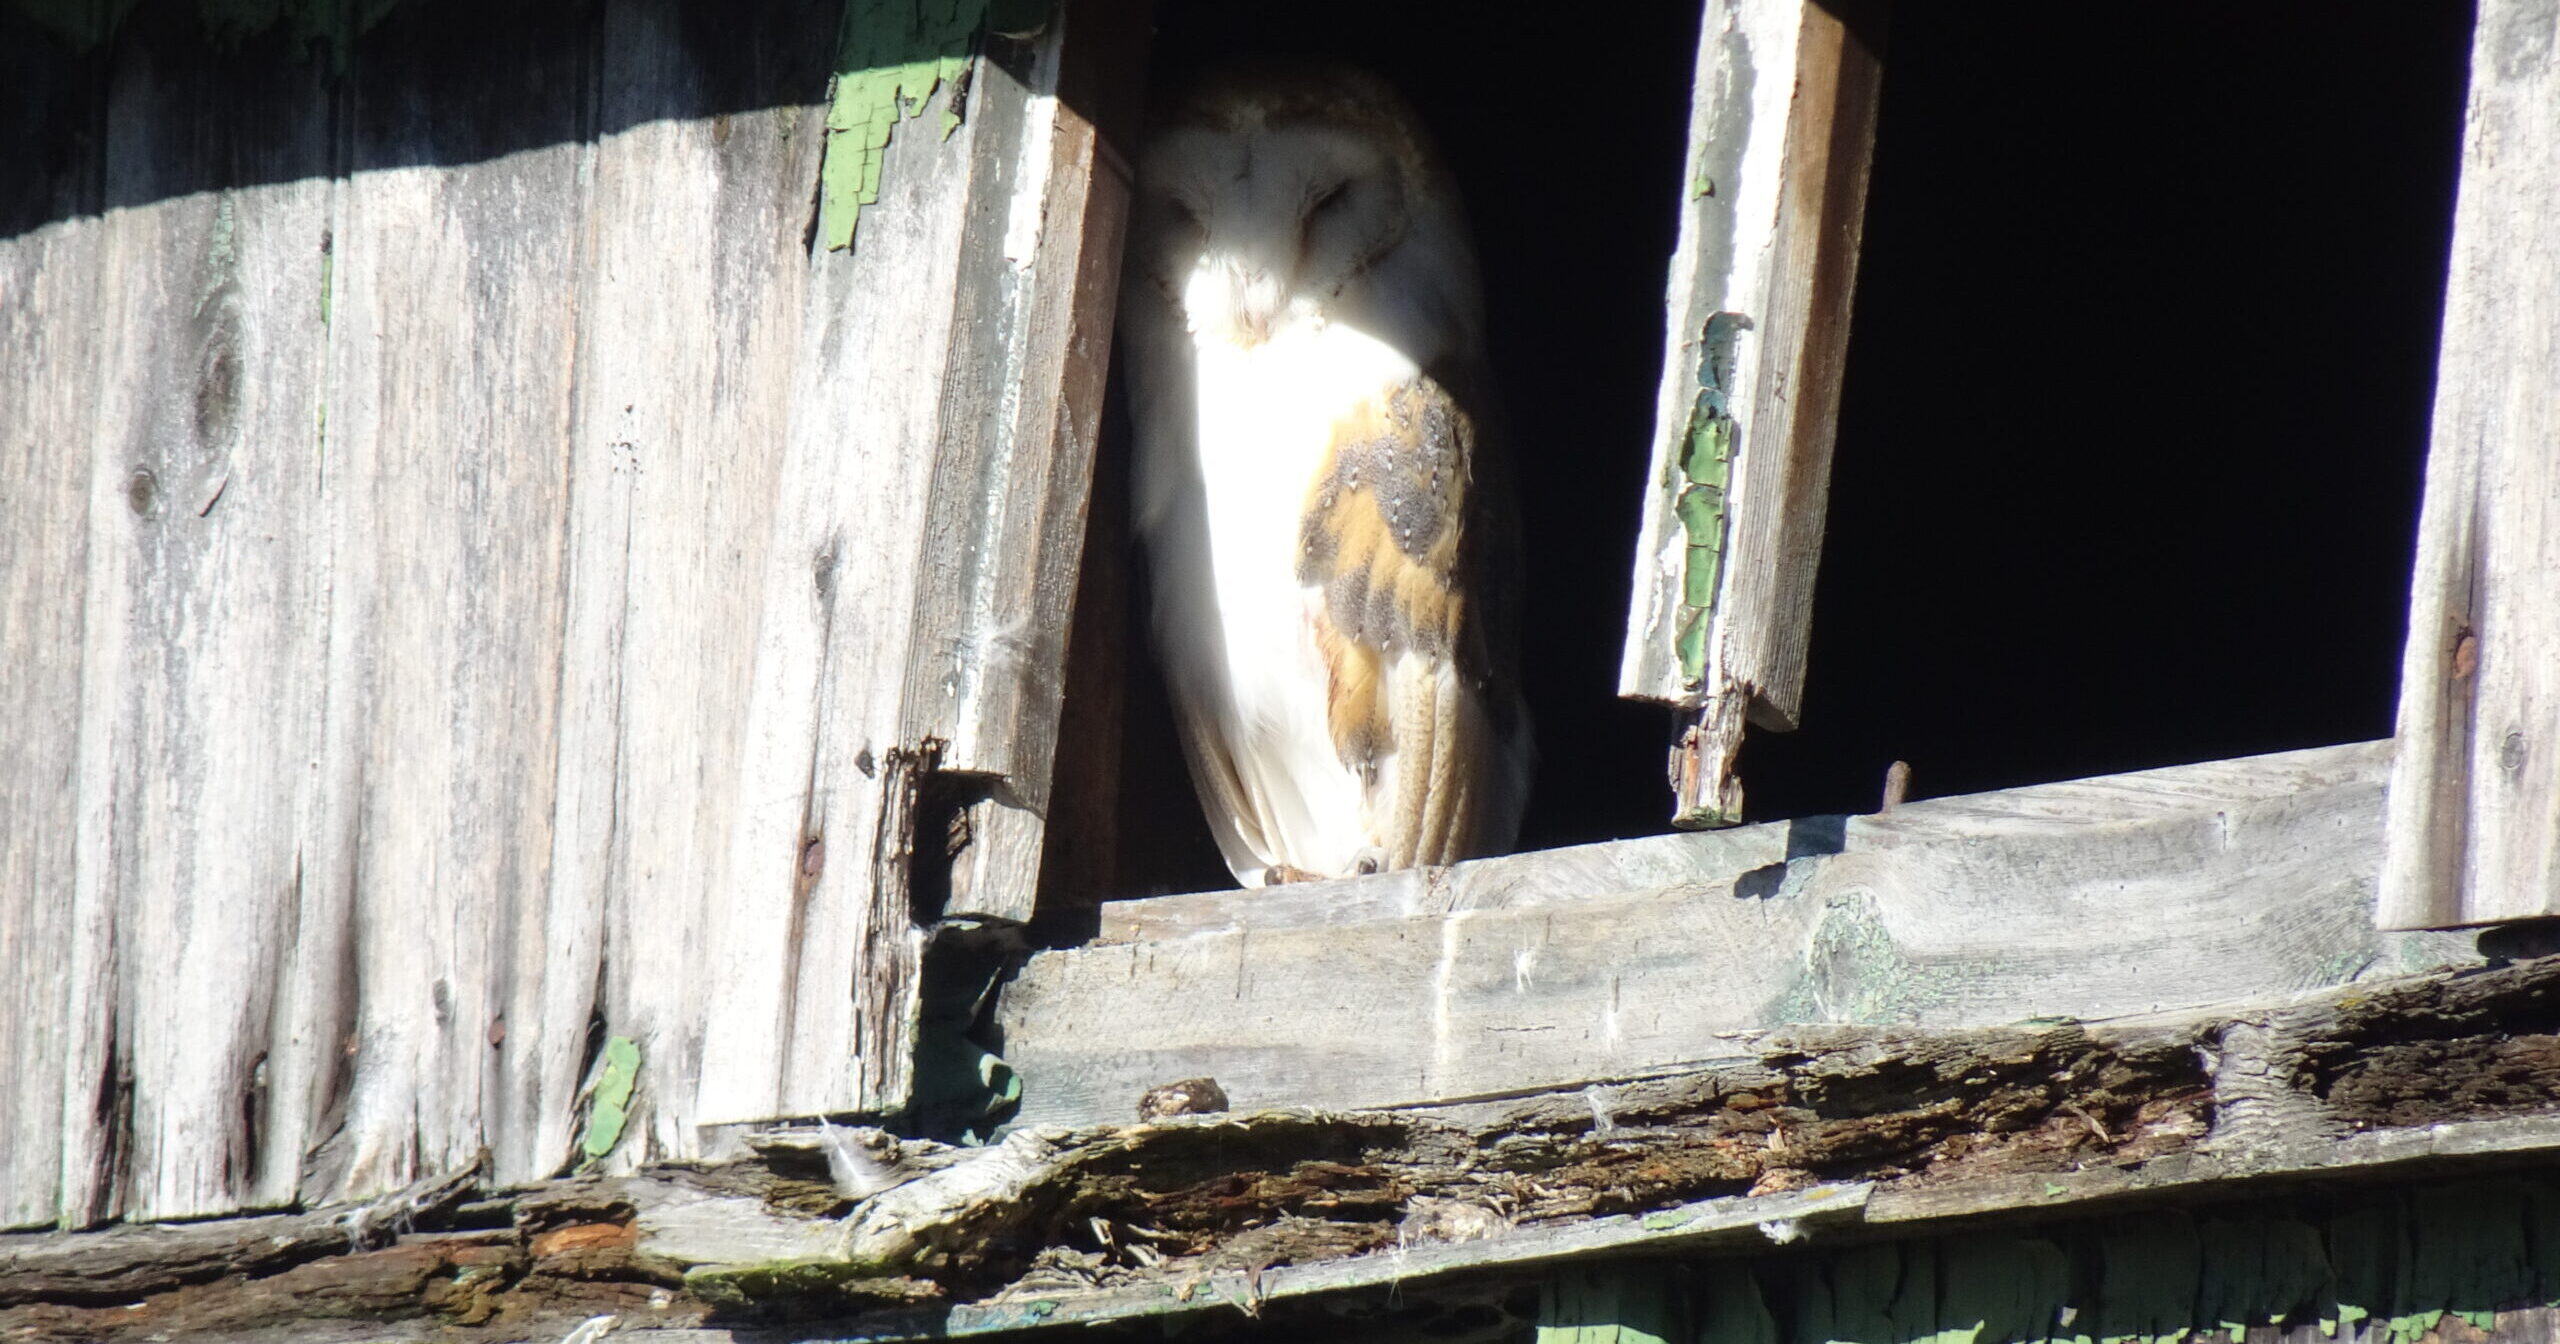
{"points": [[1326, 519]]}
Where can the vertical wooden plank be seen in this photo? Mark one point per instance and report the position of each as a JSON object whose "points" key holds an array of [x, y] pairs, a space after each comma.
{"points": [[1612, 1304], [817, 953], [915, 600], [51, 269], [684, 395], [203, 650], [2475, 787], [1004, 532], [458, 249], [1783, 125]]}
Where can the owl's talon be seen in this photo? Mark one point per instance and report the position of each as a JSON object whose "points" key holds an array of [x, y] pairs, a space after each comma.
{"points": [[1281, 873]]}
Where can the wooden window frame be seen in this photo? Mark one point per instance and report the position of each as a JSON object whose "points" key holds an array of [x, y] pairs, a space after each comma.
{"points": [[2251, 878]]}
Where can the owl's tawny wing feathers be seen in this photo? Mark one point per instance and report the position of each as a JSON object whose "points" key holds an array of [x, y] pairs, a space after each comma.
{"points": [[1418, 694]]}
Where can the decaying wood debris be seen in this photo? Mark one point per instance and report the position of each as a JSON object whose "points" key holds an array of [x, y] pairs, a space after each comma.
{"points": [[1820, 1132]]}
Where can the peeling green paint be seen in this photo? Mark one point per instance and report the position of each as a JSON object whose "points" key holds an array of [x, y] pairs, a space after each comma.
{"points": [[2152, 1269], [1995, 1288], [1707, 452], [2391, 1270], [2471, 1254], [2258, 1269], [611, 1108], [890, 60]]}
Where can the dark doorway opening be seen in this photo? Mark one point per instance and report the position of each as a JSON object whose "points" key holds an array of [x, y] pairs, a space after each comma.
{"points": [[2136, 401], [2137, 396]]}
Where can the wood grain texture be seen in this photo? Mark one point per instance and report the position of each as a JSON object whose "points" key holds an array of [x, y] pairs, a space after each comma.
{"points": [[2475, 793], [2125, 895], [451, 401], [50, 277], [1775, 538], [808, 931], [1782, 129], [916, 598], [203, 653], [685, 380], [1832, 1167], [475, 575], [1014, 471]]}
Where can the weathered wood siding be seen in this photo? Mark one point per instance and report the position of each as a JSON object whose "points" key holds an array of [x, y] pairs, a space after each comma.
{"points": [[2103, 898], [2475, 794], [1782, 129], [479, 582]]}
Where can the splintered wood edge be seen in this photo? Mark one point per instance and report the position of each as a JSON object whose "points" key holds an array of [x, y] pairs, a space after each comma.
{"points": [[1744, 1223], [713, 1219]]}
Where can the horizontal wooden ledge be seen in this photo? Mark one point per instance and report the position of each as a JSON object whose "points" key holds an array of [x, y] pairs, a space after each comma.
{"points": [[2123, 896], [1834, 1133]]}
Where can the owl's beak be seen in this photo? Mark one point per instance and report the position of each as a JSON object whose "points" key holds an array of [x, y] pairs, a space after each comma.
{"points": [[1235, 300], [1256, 303], [1252, 325]]}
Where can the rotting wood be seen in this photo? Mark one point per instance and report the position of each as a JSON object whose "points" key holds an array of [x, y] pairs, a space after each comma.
{"points": [[2475, 793], [1835, 1134], [902, 643], [1782, 129], [2128, 894]]}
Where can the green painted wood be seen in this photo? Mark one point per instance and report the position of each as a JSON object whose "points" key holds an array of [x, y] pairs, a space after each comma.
{"points": [[1618, 1304], [2388, 1270]]}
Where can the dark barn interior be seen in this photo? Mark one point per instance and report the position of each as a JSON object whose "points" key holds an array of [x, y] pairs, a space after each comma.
{"points": [[2136, 402]]}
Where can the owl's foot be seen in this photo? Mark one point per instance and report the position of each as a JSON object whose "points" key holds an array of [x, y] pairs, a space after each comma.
{"points": [[1279, 873]]}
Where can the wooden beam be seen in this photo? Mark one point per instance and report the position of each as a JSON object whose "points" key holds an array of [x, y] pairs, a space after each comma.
{"points": [[2475, 793], [1831, 1164], [1782, 129], [2099, 898]]}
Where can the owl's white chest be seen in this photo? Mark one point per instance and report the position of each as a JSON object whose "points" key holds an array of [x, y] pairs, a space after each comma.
{"points": [[1267, 420], [1266, 417]]}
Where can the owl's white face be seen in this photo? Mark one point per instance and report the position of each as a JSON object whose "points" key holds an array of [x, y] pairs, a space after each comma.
{"points": [[1258, 227]]}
